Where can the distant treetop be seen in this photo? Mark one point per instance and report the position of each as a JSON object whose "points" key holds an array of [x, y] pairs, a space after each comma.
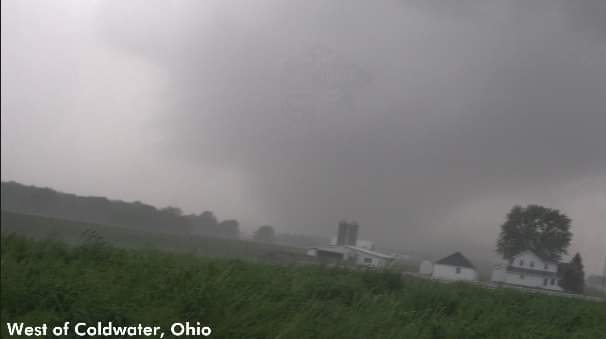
{"points": [[544, 231]]}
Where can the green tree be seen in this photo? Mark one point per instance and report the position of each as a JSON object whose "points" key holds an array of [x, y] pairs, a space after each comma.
{"points": [[573, 276], [229, 228], [265, 233], [204, 223], [541, 230]]}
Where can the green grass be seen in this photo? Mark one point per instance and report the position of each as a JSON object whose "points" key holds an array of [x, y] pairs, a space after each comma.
{"points": [[46, 281], [72, 232]]}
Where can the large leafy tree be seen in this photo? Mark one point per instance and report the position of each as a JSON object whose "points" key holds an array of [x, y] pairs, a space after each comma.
{"points": [[265, 233], [229, 228], [573, 275], [541, 230]]}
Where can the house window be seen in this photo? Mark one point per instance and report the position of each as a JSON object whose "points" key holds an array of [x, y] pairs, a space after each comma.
{"points": [[546, 266], [458, 270], [521, 262], [368, 260], [545, 281], [532, 264], [552, 281], [522, 276]]}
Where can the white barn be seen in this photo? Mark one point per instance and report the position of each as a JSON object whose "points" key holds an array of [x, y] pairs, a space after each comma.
{"points": [[454, 267], [528, 269]]}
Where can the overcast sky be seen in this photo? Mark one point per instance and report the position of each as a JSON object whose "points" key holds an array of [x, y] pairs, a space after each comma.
{"points": [[424, 120]]}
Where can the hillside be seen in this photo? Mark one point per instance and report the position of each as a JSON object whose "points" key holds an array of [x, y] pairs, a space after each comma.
{"points": [[94, 282], [76, 232], [47, 202]]}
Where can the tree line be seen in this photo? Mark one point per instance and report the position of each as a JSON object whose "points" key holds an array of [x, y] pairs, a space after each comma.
{"points": [[47, 202]]}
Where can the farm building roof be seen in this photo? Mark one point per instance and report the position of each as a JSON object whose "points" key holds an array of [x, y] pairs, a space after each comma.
{"points": [[371, 253], [455, 259], [336, 249]]}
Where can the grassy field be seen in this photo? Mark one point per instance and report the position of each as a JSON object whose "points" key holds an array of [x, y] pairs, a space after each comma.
{"points": [[47, 281], [74, 232]]}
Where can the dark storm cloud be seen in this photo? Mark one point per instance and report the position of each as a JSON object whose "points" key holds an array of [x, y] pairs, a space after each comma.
{"points": [[392, 113], [349, 98], [588, 16], [404, 115]]}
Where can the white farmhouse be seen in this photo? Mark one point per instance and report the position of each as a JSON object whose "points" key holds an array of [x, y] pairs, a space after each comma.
{"points": [[454, 267], [528, 269]]}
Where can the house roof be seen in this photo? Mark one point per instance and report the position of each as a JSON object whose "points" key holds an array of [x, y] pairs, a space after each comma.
{"points": [[455, 259], [335, 249]]}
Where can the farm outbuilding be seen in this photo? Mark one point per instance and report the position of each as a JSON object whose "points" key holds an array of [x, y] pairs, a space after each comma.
{"points": [[359, 256], [454, 267]]}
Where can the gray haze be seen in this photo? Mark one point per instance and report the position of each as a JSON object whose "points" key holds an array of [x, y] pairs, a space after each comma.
{"points": [[423, 120]]}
